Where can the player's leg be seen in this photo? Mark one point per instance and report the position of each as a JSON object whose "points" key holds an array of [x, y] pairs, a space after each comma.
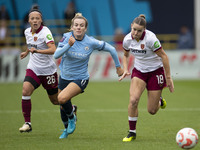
{"points": [[64, 97], [26, 106], [72, 89], [64, 118], [31, 82], [153, 103], [53, 96], [50, 83], [156, 83], [68, 107], [136, 89]]}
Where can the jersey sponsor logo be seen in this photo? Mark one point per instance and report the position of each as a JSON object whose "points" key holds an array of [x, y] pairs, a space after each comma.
{"points": [[138, 51], [77, 55], [31, 45], [156, 44], [142, 46], [35, 38], [49, 37]]}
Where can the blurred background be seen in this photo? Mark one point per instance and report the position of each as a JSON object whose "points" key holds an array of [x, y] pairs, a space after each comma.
{"points": [[176, 24]]}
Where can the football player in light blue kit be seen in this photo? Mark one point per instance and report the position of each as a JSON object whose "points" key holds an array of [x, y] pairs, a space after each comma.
{"points": [[75, 49]]}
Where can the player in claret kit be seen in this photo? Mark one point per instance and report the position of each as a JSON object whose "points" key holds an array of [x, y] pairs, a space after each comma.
{"points": [[41, 68], [75, 49], [151, 70]]}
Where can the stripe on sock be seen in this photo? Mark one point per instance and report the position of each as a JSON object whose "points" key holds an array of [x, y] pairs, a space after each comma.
{"points": [[26, 97], [132, 131], [132, 118]]}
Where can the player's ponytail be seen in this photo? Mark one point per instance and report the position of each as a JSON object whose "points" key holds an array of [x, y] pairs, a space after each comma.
{"points": [[141, 20]]}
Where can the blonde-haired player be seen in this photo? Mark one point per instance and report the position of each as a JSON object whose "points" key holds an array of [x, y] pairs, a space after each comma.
{"points": [[75, 48]]}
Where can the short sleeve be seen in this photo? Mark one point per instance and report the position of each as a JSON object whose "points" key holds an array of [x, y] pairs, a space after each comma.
{"points": [[154, 43], [125, 44], [48, 36]]}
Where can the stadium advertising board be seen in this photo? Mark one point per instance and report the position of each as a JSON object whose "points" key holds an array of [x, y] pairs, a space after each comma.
{"points": [[184, 65]]}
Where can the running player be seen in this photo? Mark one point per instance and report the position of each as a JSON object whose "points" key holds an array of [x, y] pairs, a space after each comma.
{"points": [[41, 68], [151, 70], [75, 49]]}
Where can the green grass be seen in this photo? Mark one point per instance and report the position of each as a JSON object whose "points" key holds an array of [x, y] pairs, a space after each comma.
{"points": [[102, 119]]}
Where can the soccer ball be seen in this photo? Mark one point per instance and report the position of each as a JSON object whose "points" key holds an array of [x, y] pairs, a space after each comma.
{"points": [[186, 138]]}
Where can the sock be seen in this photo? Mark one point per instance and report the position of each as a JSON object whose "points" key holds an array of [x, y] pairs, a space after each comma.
{"points": [[64, 117], [68, 109], [132, 124], [161, 102], [26, 108]]}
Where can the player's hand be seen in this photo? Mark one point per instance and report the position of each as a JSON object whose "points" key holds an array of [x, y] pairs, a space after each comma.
{"points": [[71, 40], [119, 71], [170, 84], [33, 50], [126, 73], [23, 55]]}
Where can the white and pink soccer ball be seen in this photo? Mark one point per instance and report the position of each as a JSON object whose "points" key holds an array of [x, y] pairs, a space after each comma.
{"points": [[187, 138]]}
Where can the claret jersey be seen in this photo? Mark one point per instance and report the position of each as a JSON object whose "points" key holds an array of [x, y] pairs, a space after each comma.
{"points": [[146, 60], [41, 64]]}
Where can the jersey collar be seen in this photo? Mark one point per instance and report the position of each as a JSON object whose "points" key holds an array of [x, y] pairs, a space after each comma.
{"points": [[142, 37], [38, 30], [75, 37]]}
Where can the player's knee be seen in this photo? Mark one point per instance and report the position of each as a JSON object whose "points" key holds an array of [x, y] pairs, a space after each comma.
{"points": [[55, 102], [134, 101], [152, 111], [61, 99], [26, 92]]}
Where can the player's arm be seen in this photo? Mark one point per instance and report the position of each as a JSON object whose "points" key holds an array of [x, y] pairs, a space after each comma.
{"points": [[161, 53], [107, 47], [61, 49], [125, 64], [51, 49], [24, 54]]}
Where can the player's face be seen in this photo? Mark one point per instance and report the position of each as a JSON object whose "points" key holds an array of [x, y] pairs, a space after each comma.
{"points": [[79, 28], [137, 30], [35, 20]]}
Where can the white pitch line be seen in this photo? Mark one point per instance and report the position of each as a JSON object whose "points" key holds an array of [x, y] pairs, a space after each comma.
{"points": [[101, 110]]}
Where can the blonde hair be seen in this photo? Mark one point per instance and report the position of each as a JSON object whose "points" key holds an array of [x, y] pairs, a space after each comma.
{"points": [[141, 20], [78, 16]]}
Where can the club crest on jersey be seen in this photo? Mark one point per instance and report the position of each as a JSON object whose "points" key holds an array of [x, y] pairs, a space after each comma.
{"points": [[35, 38], [142, 46], [86, 48]]}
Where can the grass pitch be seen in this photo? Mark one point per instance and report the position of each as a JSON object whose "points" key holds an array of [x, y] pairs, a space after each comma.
{"points": [[102, 119]]}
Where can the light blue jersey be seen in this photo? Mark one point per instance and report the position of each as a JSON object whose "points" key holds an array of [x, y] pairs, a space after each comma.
{"points": [[74, 63]]}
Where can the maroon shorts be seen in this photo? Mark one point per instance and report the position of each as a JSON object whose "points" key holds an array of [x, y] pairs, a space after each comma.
{"points": [[155, 80], [47, 81]]}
